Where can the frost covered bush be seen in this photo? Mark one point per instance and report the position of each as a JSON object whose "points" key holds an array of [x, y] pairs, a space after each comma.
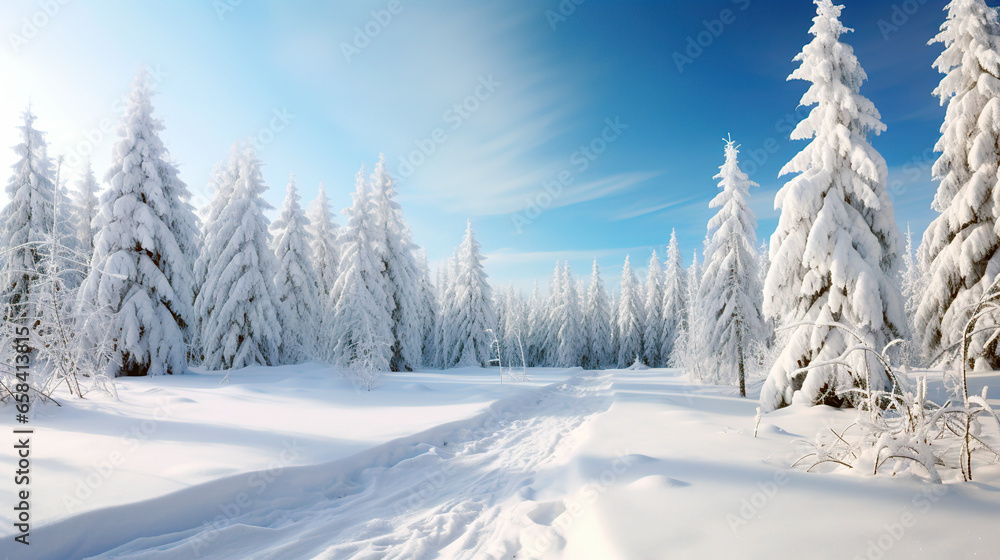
{"points": [[901, 428], [59, 354], [41, 265]]}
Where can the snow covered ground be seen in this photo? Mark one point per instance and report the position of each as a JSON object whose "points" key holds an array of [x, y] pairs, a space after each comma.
{"points": [[294, 463]]}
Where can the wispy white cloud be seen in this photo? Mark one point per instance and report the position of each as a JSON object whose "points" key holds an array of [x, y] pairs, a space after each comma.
{"points": [[403, 89], [645, 209]]}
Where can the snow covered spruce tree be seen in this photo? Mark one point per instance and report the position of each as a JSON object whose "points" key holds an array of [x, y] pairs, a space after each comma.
{"points": [[243, 326], [959, 249], [730, 293], [536, 326], [763, 265], [400, 273], [361, 337], [568, 319], [500, 308], [597, 316], [672, 308], [65, 208], [323, 233], [653, 311], [296, 282], [86, 208], [691, 353], [629, 323], [147, 239], [514, 329], [64, 247], [446, 310], [222, 181], [472, 308], [429, 302], [913, 283], [836, 246], [26, 223], [550, 321]]}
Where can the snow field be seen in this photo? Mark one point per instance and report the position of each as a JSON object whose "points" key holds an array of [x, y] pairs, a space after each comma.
{"points": [[167, 434], [577, 465]]}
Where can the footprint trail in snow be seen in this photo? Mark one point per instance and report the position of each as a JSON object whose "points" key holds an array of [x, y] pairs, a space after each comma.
{"points": [[468, 498]]}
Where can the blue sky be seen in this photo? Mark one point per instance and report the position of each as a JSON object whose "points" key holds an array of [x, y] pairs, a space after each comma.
{"points": [[481, 108]]}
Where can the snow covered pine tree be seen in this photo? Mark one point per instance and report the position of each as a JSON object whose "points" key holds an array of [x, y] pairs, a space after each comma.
{"points": [[296, 282], [913, 281], [361, 336], [242, 328], [472, 308], [730, 291], [86, 210], [653, 306], [629, 318], [599, 349], [323, 234], [836, 246], [147, 239], [673, 306], [25, 224], [401, 276], [960, 248], [568, 318]]}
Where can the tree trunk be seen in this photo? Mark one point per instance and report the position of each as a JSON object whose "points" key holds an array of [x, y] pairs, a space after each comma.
{"points": [[743, 377]]}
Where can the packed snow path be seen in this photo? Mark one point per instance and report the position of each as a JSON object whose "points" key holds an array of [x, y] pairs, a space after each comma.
{"points": [[443, 492]]}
